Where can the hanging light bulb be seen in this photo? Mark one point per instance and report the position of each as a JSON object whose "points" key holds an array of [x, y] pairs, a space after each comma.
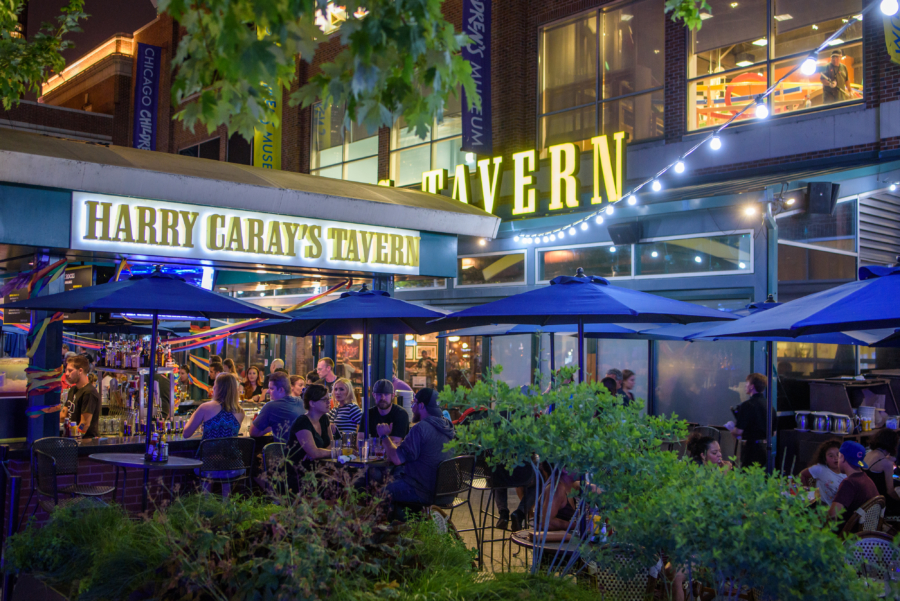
{"points": [[715, 143], [632, 200], [572, 231], [546, 239], [679, 167], [482, 242], [889, 7], [552, 238], [529, 240], [561, 235], [762, 111], [808, 67], [892, 187], [656, 185], [584, 225], [599, 219], [515, 239], [609, 210]]}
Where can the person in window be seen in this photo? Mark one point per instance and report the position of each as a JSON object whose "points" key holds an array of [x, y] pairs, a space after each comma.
{"points": [[704, 450], [857, 488], [881, 459], [751, 422], [825, 471], [834, 80], [387, 413], [278, 415], [310, 436], [346, 414], [628, 378]]}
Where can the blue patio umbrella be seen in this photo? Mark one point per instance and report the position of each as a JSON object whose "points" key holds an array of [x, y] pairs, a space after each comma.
{"points": [[581, 300], [154, 295], [365, 312]]}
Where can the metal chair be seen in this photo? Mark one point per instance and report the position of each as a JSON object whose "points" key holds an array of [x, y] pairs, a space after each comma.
{"points": [[273, 456], [621, 578], [713, 433], [64, 452], [491, 480], [872, 554], [454, 486], [46, 484], [226, 460], [868, 518]]}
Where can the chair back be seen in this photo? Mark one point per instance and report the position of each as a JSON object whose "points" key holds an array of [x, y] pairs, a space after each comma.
{"points": [[45, 474], [222, 454], [713, 433], [273, 456], [621, 576], [63, 450], [872, 554], [868, 518], [454, 477]]}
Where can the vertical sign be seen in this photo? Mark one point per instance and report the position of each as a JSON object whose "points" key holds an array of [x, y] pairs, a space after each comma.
{"points": [[80, 276], [146, 96], [477, 134], [892, 36], [267, 137], [20, 316]]}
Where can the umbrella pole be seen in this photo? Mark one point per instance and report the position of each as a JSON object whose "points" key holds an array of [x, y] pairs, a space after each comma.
{"points": [[365, 390], [580, 349], [552, 356], [150, 389], [770, 460]]}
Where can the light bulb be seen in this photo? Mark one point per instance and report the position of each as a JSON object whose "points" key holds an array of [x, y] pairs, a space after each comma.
{"points": [[697, 259], [750, 211], [656, 185], [762, 111], [892, 187], [546, 239], [609, 210], [584, 225], [572, 231], [482, 242], [528, 240], [742, 265], [715, 143], [889, 7], [789, 202], [552, 237], [808, 67], [654, 254], [679, 167], [599, 219], [561, 235], [632, 200], [612, 249], [516, 239]]}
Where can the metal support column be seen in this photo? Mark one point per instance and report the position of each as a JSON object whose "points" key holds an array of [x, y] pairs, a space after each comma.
{"points": [[48, 356], [382, 350], [771, 374]]}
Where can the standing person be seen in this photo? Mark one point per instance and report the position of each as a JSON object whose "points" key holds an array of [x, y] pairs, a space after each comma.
{"points": [[825, 471], [278, 415], [881, 459], [420, 453], [751, 422], [834, 80], [394, 417], [857, 487], [617, 375], [346, 414], [627, 386], [253, 383], [325, 369], [83, 398]]}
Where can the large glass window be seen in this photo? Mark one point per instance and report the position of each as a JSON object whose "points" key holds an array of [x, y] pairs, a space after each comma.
{"points": [[418, 282], [710, 254], [514, 354], [342, 153], [734, 57], [606, 260], [835, 232], [602, 72], [491, 270]]}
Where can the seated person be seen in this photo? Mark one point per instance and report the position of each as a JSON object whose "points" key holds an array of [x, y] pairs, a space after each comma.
{"points": [[298, 384], [611, 385], [825, 471], [562, 507], [310, 436], [857, 487], [704, 450], [386, 412], [346, 414], [220, 417], [881, 459], [420, 453], [278, 415]]}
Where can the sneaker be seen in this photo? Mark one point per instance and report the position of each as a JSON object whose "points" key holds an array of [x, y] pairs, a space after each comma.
{"points": [[518, 520], [503, 520]]}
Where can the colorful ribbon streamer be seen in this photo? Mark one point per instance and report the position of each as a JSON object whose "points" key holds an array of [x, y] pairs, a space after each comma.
{"points": [[123, 266], [89, 345], [34, 338], [200, 362], [33, 412], [204, 387], [43, 381]]}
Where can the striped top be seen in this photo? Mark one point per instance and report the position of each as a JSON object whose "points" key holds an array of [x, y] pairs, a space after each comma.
{"points": [[346, 418]]}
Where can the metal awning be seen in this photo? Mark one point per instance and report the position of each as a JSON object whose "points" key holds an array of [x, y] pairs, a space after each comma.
{"points": [[44, 161]]}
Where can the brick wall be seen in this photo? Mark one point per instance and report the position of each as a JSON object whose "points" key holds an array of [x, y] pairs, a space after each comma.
{"points": [[676, 80], [46, 116]]}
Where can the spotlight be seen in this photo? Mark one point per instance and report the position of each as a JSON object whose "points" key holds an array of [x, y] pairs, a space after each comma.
{"points": [[750, 211], [656, 185], [808, 67], [679, 167], [572, 231], [584, 225], [632, 200], [654, 254], [516, 239], [599, 219], [715, 143], [892, 187], [609, 210], [762, 111], [790, 202], [482, 242], [889, 7]]}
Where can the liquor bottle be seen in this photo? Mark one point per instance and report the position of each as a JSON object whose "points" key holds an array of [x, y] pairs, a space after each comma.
{"points": [[118, 354]]}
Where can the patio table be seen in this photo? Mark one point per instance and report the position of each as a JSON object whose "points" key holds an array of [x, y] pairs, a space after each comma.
{"points": [[136, 460]]}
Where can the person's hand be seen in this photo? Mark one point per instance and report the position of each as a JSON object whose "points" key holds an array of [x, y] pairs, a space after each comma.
{"points": [[729, 426], [384, 429], [833, 84]]}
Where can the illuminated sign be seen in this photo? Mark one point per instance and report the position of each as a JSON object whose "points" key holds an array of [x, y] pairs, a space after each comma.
{"points": [[123, 225], [565, 184]]}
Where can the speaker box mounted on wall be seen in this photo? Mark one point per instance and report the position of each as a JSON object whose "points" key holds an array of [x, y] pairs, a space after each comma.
{"points": [[625, 233], [822, 197]]}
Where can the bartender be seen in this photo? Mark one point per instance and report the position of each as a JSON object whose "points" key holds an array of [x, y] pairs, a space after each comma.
{"points": [[83, 398], [750, 424]]}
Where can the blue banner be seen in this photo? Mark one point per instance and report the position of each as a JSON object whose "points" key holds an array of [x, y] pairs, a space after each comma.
{"points": [[477, 133], [146, 96]]}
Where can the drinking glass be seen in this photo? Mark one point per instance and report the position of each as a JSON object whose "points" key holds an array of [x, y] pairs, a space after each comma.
{"points": [[364, 450], [335, 450]]}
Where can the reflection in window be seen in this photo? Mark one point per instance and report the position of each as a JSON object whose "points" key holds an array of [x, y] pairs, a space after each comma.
{"points": [[694, 255], [836, 231], [491, 270], [796, 264], [464, 366], [622, 355], [418, 282], [203, 150], [805, 359], [514, 354], [597, 58], [339, 153], [606, 261], [733, 58]]}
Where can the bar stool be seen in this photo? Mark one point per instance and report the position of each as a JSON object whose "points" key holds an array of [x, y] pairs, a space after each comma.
{"points": [[52, 457]]}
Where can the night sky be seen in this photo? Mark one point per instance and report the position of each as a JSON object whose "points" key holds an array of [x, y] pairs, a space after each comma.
{"points": [[107, 18]]}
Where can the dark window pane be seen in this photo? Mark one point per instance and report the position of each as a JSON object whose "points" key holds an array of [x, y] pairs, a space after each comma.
{"points": [[210, 150], [836, 231], [239, 150], [603, 261], [569, 64], [694, 255], [632, 48], [804, 264], [191, 151], [640, 116], [491, 270]]}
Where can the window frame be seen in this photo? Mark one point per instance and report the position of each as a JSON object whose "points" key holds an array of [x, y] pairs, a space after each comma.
{"points": [[524, 252], [430, 142], [586, 245], [345, 142], [751, 269], [200, 143], [422, 289], [599, 102]]}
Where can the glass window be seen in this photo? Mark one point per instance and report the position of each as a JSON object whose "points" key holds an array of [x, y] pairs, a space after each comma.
{"points": [[420, 362], [203, 150], [298, 356], [805, 359], [713, 254], [418, 282], [836, 231], [491, 270], [606, 261], [350, 154], [595, 59], [797, 264], [622, 355], [464, 356], [514, 354], [733, 58]]}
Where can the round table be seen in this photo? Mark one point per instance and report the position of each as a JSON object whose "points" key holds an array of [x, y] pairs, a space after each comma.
{"points": [[136, 460], [523, 540]]}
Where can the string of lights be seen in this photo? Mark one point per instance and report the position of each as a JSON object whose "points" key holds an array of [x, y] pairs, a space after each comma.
{"points": [[807, 67]]}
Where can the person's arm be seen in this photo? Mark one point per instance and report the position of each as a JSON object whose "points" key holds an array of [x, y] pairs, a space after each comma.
{"points": [[408, 450], [308, 444], [85, 421], [806, 478], [194, 422], [91, 408], [835, 511], [260, 425]]}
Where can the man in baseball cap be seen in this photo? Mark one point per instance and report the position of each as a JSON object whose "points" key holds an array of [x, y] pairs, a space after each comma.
{"points": [[856, 488], [386, 412]]}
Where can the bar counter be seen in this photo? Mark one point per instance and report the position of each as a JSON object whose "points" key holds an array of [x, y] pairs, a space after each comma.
{"points": [[112, 444]]}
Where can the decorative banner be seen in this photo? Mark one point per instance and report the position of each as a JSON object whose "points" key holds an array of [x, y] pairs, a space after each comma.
{"points": [[477, 135], [200, 362], [892, 36], [34, 338], [123, 266], [42, 381], [146, 96], [204, 387], [267, 137], [33, 412]]}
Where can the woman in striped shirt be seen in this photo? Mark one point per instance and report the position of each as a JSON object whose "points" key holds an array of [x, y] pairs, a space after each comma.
{"points": [[346, 413]]}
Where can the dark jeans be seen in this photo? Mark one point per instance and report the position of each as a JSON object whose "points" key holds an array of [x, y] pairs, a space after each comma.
{"points": [[401, 491], [501, 498]]}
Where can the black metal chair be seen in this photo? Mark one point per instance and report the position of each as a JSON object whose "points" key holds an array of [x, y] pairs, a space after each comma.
{"points": [[46, 484], [226, 460], [273, 455], [491, 480], [713, 433], [64, 452], [454, 487]]}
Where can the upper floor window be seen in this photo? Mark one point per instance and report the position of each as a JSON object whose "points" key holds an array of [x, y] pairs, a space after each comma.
{"points": [[341, 153], [441, 148], [602, 72], [204, 150], [736, 56]]}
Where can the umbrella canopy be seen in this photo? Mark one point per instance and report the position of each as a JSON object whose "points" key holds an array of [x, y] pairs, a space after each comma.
{"points": [[113, 328], [351, 314], [594, 330], [867, 304]]}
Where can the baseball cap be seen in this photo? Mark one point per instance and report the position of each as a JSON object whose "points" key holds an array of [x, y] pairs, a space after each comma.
{"points": [[853, 453], [383, 387], [837, 53], [428, 397]]}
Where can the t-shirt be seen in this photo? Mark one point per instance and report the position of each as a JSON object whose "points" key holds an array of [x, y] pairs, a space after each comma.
{"points": [[827, 482], [327, 384], [323, 440], [855, 490], [280, 415], [104, 389], [86, 400], [346, 418], [396, 416], [751, 418]]}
